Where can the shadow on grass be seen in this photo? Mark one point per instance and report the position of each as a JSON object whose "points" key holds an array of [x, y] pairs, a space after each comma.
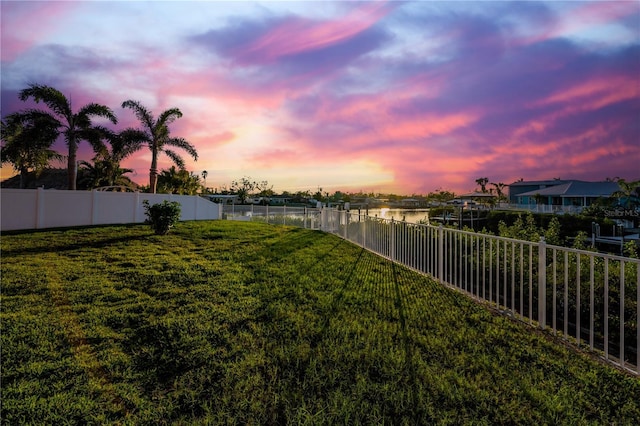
{"points": [[338, 299], [388, 295], [408, 347], [57, 246], [284, 248], [288, 243]]}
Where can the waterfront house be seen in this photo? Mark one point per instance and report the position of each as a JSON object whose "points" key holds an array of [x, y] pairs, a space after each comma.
{"points": [[560, 193]]}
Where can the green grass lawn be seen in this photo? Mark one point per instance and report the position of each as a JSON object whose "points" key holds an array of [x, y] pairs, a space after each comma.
{"points": [[246, 323]]}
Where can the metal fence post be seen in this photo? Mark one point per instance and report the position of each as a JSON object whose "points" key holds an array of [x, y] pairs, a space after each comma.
{"points": [[346, 224], [441, 253], [324, 219], [364, 232], [393, 239], [542, 282]]}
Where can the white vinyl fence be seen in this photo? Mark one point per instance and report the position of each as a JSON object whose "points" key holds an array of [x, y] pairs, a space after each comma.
{"points": [[590, 299], [40, 208]]}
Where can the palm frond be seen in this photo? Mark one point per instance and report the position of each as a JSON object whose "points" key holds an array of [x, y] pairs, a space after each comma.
{"points": [[183, 144], [51, 97], [28, 128], [142, 113], [43, 119], [169, 116], [175, 158], [27, 140], [160, 135], [95, 136], [128, 142], [97, 110]]}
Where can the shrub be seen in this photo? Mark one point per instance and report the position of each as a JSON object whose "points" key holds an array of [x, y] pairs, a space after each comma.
{"points": [[162, 216]]}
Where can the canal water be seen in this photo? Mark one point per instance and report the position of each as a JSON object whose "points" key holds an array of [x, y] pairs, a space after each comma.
{"points": [[408, 215]]}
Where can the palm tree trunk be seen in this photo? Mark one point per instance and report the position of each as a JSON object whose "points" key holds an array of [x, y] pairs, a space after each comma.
{"points": [[23, 177], [153, 180], [153, 172], [111, 173], [72, 165]]}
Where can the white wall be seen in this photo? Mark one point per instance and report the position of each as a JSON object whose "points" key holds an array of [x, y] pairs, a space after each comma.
{"points": [[39, 208]]}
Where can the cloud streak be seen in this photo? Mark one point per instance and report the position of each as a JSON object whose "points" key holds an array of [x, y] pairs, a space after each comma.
{"points": [[296, 36]]}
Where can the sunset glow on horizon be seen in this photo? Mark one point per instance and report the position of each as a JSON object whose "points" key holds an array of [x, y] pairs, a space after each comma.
{"points": [[378, 96]]}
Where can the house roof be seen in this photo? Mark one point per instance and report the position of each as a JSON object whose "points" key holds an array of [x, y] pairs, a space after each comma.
{"points": [[576, 188], [538, 182]]}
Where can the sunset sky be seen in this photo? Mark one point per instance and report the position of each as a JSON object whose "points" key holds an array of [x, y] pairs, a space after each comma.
{"points": [[403, 97]]}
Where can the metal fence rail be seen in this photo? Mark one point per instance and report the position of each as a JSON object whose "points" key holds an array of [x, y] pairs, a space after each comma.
{"points": [[303, 217]]}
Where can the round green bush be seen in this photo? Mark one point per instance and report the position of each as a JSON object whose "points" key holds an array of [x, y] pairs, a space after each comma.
{"points": [[162, 216]]}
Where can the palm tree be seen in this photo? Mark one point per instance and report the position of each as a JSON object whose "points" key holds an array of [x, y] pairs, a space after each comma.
{"points": [[120, 146], [499, 190], [181, 182], [28, 137], [483, 184], [92, 175], [540, 199], [75, 127], [101, 173], [204, 177], [106, 170], [157, 137], [628, 194]]}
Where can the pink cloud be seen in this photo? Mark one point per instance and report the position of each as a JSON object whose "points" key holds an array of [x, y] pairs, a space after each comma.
{"points": [[214, 86], [586, 16], [299, 35], [597, 153], [222, 138], [600, 12], [278, 157], [596, 92], [18, 35], [580, 96], [573, 148], [424, 127]]}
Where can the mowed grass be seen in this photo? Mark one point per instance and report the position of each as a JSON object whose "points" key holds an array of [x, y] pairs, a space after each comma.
{"points": [[246, 323]]}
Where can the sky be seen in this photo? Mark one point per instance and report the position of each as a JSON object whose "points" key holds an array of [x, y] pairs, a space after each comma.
{"points": [[383, 96]]}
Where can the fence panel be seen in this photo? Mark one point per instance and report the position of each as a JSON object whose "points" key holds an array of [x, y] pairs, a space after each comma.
{"points": [[19, 209], [303, 217], [39, 208], [590, 299]]}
